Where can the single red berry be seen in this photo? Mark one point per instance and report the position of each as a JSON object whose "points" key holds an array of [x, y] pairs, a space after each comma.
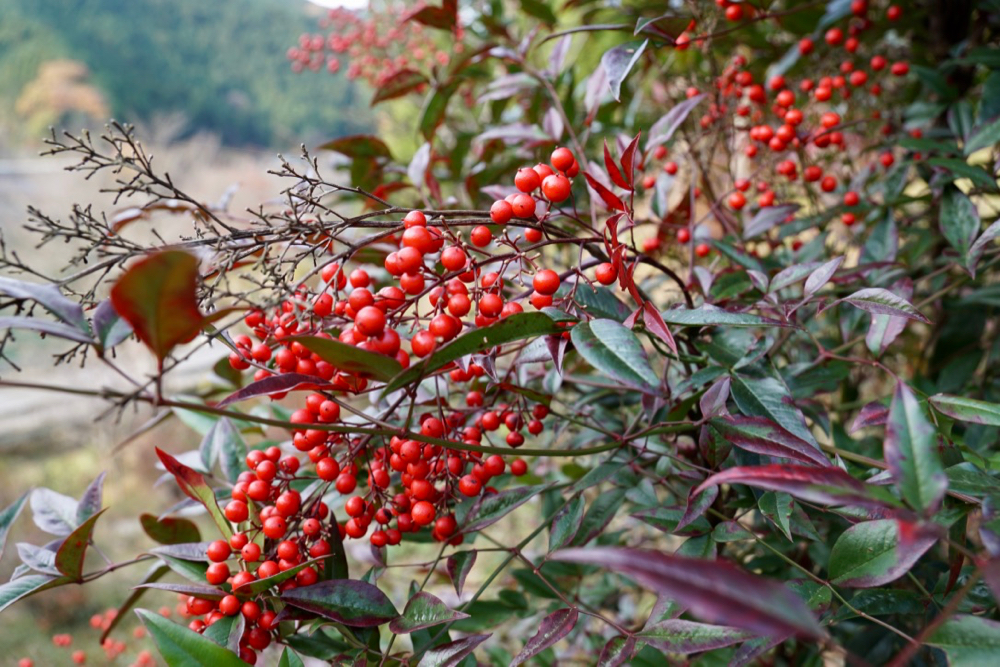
{"points": [[527, 180], [702, 249], [415, 219], [218, 551], [683, 235], [546, 282], [556, 188], [606, 273], [524, 205], [482, 236], [737, 201], [562, 159]]}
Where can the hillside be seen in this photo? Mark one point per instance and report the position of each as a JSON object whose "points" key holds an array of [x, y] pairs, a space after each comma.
{"points": [[220, 64]]}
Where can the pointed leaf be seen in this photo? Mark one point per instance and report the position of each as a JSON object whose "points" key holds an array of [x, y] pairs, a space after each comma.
{"points": [[224, 445], [679, 636], [616, 351], [912, 454], [25, 586], [618, 62], [959, 221], [109, 328], [7, 518], [600, 513], [358, 145], [969, 641], [566, 523], [51, 299], [612, 169], [554, 627], [354, 603], [91, 500], [290, 659], [53, 512], [206, 592], [708, 316], [157, 297], [516, 327], [874, 553], [402, 82], [884, 329], [628, 160], [352, 359], [73, 550], [762, 436], [825, 486], [459, 565], [873, 414], [967, 409], [423, 610], [452, 653], [714, 590], [767, 218], [280, 384], [181, 646], [979, 247], [655, 324], [662, 130], [57, 329], [617, 651], [494, 507], [878, 301], [821, 276], [194, 486], [610, 198]]}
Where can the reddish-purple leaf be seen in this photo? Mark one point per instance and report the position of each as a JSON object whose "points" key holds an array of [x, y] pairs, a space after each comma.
{"points": [[612, 169], [357, 146], [554, 627], [452, 653], [459, 565], [713, 590], [654, 322], [49, 327], [628, 160], [762, 436], [680, 636], [193, 484], [423, 610], [698, 501], [443, 18], [275, 384], [610, 199], [73, 550], [617, 651], [713, 401], [402, 82], [157, 297], [206, 592], [354, 603], [826, 486], [873, 414], [664, 128]]}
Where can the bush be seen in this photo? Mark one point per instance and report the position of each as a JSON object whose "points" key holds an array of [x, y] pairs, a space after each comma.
{"points": [[716, 378]]}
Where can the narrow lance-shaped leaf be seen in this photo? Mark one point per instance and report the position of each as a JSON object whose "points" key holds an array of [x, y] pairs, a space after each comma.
{"points": [[402, 82], [423, 610], [57, 329], [878, 301], [73, 551], [680, 636], [614, 350], [494, 507], [959, 221], [452, 653], [109, 327], [554, 627], [7, 518], [874, 553], [224, 445], [51, 298], [275, 384], [911, 452], [22, 587], [713, 590], [967, 409], [821, 276], [884, 329], [872, 414], [662, 130], [617, 651], [766, 218], [91, 500], [979, 247], [290, 659], [194, 486], [762, 436]]}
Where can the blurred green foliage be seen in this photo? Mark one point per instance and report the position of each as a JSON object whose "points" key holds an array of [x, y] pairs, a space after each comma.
{"points": [[222, 64]]}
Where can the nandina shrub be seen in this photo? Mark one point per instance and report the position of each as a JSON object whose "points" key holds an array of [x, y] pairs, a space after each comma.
{"points": [[681, 318]]}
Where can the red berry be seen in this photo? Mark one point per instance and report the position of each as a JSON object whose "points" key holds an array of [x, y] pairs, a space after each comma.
{"points": [[683, 235], [218, 551], [415, 219], [702, 249], [562, 159], [737, 201], [527, 180], [524, 205], [606, 273], [482, 236], [546, 282], [423, 513], [556, 188]]}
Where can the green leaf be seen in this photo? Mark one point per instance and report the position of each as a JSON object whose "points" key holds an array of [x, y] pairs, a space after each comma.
{"points": [[599, 515], [912, 454], [258, 586], [224, 445], [157, 297], [566, 523], [513, 328], [180, 646], [190, 570], [459, 565], [423, 610], [73, 550], [709, 316], [967, 409], [984, 137], [352, 359], [226, 632], [762, 436], [969, 641], [553, 627], [962, 169], [874, 553], [616, 351], [194, 486], [57, 329], [679, 636], [979, 247], [879, 301], [109, 327], [760, 392], [290, 659], [667, 519], [22, 587], [959, 221], [600, 302], [170, 530], [354, 603], [777, 508], [494, 507], [7, 518], [357, 145], [539, 10], [730, 531], [434, 109], [966, 478]]}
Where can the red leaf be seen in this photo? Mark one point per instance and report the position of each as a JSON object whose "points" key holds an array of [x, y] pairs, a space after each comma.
{"points": [[157, 297], [610, 199], [444, 17], [188, 479], [873, 414], [554, 627], [612, 168], [399, 84], [762, 436], [654, 322], [274, 384], [628, 161], [716, 591], [826, 486]]}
